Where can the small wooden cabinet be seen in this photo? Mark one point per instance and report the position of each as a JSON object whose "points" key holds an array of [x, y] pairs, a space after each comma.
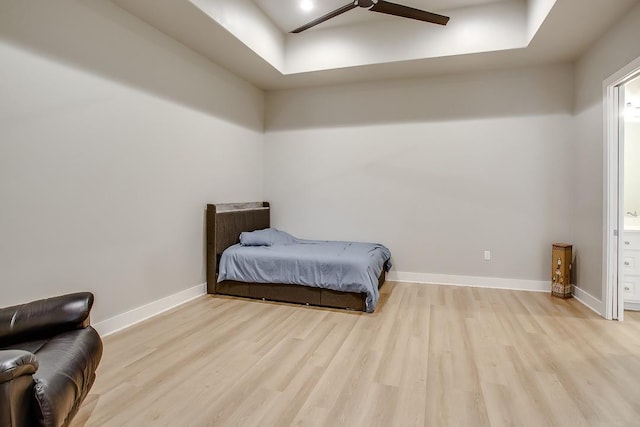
{"points": [[631, 263], [561, 260]]}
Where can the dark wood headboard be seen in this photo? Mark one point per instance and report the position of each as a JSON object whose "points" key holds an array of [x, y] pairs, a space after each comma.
{"points": [[225, 222]]}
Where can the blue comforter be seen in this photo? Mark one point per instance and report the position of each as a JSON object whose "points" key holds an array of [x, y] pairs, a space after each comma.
{"points": [[277, 257]]}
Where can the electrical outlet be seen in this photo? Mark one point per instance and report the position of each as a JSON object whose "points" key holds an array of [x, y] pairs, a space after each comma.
{"points": [[487, 255]]}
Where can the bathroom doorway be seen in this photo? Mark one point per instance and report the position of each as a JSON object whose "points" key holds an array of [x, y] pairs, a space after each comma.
{"points": [[621, 272], [630, 135]]}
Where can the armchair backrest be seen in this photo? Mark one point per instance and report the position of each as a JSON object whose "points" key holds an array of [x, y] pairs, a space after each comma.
{"points": [[44, 317]]}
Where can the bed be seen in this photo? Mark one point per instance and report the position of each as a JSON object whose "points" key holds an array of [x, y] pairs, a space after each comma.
{"points": [[224, 225]]}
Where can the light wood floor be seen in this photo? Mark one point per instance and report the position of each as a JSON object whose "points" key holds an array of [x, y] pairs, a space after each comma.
{"points": [[429, 356]]}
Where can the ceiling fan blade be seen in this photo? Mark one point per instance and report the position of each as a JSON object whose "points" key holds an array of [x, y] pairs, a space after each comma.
{"points": [[409, 12], [326, 17]]}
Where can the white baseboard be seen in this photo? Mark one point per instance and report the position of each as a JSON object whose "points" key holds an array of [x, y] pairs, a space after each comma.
{"points": [[633, 306], [495, 283], [138, 314], [473, 281], [588, 300]]}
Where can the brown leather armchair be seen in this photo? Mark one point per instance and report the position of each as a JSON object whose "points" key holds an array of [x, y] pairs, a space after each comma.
{"points": [[48, 358]]}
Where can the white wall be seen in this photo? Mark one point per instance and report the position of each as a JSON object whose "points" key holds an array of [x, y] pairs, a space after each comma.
{"points": [[537, 11], [246, 21], [113, 138], [632, 146], [613, 51], [437, 169], [631, 166]]}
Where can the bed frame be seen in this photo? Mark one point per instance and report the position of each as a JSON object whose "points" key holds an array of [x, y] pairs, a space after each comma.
{"points": [[225, 222]]}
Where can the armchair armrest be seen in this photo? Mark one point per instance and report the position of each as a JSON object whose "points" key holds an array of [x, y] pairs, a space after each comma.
{"points": [[45, 317], [16, 387], [16, 363]]}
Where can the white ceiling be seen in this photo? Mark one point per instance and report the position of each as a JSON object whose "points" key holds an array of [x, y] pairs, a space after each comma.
{"points": [[250, 37]]}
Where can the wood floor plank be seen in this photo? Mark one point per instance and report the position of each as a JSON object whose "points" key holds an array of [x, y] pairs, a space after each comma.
{"points": [[429, 356]]}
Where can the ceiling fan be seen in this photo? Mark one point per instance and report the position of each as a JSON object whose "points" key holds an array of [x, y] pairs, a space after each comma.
{"points": [[382, 7]]}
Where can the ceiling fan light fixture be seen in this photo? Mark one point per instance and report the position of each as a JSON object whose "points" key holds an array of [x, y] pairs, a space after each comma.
{"points": [[380, 6], [367, 4], [306, 5]]}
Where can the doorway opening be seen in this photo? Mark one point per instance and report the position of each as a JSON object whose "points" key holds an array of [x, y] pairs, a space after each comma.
{"points": [[621, 241], [631, 195]]}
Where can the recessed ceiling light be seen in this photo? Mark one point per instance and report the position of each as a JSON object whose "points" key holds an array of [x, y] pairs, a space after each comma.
{"points": [[306, 5]]}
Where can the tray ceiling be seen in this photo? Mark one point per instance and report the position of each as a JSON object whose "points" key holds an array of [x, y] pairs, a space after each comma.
{"points": [[251, 39], [288, 14]]}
